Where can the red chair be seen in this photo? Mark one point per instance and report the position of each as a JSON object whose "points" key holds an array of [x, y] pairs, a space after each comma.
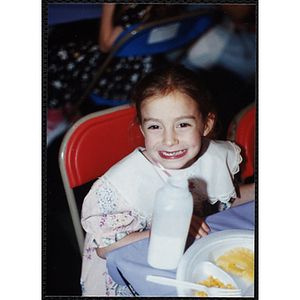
{"points": [[91, 146], [242, 132]]}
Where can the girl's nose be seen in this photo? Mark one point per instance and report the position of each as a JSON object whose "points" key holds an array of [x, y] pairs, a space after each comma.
{"points": [[170, 138]]}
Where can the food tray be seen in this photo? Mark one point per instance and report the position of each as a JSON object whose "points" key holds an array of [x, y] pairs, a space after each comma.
{"points": [[198, 262]]}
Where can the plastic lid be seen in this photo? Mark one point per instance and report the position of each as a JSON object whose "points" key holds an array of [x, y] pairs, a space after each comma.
{"points": [[178, 181]]}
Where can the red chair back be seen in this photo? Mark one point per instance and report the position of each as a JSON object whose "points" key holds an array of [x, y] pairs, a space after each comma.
{"points": [[242, 132], [90, 147], [98, 142]]}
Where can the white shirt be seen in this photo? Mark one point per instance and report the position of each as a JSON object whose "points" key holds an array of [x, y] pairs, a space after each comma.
{"points": [[138, 180]]}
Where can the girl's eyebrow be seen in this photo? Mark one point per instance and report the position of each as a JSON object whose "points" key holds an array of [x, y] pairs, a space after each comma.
{"points": [[151, 119], [185, 117], [176, 119]]}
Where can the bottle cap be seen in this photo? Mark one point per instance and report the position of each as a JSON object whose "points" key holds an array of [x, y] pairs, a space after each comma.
{"points": [[178, 181]]}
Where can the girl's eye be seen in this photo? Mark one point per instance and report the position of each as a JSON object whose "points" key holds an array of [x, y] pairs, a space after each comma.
{"points": [[183, 125], [153, 127]]}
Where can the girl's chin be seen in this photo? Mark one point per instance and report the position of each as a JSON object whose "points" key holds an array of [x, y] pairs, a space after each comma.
{"points": [[174, 164]]}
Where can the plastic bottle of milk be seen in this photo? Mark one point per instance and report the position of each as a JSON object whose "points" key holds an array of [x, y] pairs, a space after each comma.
{"points": [[173, 210]]}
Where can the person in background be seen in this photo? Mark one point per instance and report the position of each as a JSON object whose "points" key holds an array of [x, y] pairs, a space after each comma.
{"points": [[75, 55], [230, 44], [226, 57], [178, 120]]}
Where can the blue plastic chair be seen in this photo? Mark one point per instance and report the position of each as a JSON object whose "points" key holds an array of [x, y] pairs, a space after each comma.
{"points": [[155, 37], [164, 35]]}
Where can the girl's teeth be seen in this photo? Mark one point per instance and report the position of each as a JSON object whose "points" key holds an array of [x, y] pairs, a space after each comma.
{"points": [[172, 153]]}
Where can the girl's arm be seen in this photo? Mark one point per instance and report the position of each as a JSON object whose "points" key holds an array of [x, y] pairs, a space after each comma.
{"points": [[128, 239], [108, 33], [198, 229], [247, 193]]}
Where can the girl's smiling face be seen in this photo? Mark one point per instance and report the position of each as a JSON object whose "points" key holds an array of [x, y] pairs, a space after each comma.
{"points": [[172, 127]]}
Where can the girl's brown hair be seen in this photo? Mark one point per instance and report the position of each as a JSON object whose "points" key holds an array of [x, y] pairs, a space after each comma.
{"points": [[161, 82]]}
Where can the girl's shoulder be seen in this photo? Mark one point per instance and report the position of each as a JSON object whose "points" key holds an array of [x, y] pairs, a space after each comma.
{"points": [[133, 163], [225, 153], [222, 148], [226, 146], [136, 179]]}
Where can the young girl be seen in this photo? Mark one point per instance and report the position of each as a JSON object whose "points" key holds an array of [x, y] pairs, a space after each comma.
{"points": [[177, 120]]}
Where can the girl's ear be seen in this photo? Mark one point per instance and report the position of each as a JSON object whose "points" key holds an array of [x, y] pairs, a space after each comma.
{"points": [[209, 125], [141, 129]]}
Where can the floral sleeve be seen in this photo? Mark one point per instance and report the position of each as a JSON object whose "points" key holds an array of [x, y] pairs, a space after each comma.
{"points": [[106, 216]]}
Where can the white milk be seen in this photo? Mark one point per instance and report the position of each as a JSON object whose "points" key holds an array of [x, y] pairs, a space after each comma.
{"points": [[171, 222]]}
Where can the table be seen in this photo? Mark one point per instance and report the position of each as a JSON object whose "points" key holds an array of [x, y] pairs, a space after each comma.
{"points": [[129, 263]]}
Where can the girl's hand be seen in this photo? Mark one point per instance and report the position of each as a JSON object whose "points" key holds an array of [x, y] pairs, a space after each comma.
{"points": [[198, 227]]}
